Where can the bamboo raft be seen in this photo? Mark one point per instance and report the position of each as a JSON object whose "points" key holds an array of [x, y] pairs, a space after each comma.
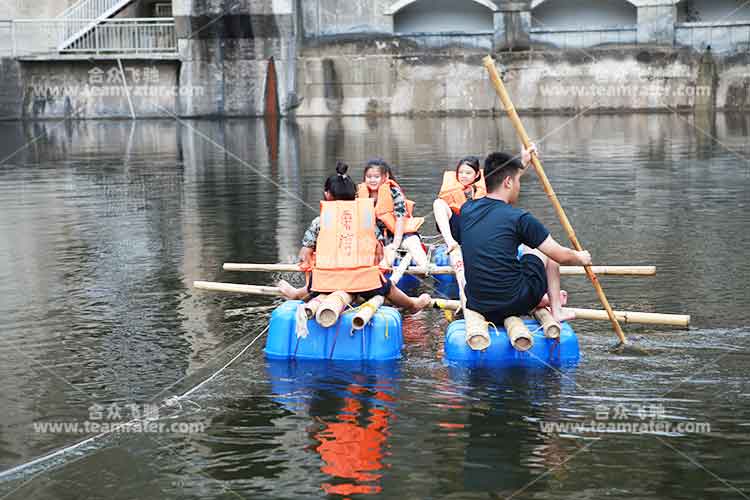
{"points": [[329, 327]]}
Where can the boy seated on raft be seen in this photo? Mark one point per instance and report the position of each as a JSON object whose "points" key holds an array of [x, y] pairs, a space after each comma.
{"points": [[394, 212], [340, 187], [490, 230]]}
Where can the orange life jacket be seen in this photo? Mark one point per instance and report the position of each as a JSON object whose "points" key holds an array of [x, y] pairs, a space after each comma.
{"points": [[345, 249], [384, 207], [452, 191]]}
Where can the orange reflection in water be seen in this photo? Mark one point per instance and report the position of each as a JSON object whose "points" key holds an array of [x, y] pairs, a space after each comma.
{"points": [[353, 451]]}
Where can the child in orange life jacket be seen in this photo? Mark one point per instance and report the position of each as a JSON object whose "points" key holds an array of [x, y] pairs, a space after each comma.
{"points": [[394, 212], [466, 183], [340, 187]]}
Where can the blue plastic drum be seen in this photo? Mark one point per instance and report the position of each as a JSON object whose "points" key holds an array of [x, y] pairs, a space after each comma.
{"points": [[501, 352], [382, 338]]}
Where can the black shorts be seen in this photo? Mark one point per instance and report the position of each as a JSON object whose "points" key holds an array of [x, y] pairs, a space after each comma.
{"points": [[384, 289], [533, 289]]}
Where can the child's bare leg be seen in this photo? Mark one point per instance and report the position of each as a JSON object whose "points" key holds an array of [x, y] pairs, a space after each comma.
{"points": [[400, 299], [292, 293], [413, 244], [389, 255], [457, 262], [443, 213], [563, 299]]}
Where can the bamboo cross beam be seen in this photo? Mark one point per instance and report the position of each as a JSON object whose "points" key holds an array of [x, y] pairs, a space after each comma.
{"points": [[497, 82], [644, 318], [235, 288], [588, 314], [423, 271]]}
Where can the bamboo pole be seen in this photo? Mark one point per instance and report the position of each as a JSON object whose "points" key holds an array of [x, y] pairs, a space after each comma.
{"points": [[489, 63], [366, 312], [550, 326], [311, 306], [598, 314], [424, 271], [518, 333], [331, 307], [609, 270], [477, 333], [235, 288], [634, 317], [447, 304]]}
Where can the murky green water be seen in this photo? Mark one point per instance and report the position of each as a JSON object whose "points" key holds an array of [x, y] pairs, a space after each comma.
{"points": [[104, 226]]}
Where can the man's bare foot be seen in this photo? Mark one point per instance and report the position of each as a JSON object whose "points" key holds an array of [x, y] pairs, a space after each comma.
{"points": [[564, 314], [287, 290], [421, 302], [545, 300]]}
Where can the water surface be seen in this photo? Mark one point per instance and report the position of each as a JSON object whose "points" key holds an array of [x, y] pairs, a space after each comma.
{"points": [[104, 226]]}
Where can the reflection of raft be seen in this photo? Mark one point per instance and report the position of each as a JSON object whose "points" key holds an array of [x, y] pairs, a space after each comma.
{"points": [[501, 352], [381, 339], [350, 406]]}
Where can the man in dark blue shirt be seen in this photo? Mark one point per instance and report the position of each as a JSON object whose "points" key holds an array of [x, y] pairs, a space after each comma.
{"points": [[490, 229]]}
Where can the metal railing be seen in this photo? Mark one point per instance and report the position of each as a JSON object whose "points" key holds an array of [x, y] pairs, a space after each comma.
{"points": [[130, 36], [723, 37], [440, 40], [82, 16], [578, 38]]}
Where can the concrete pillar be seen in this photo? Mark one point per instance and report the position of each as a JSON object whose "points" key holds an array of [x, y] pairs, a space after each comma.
{"points": [[512, 25], [656, 20], [11, 89], [225, 46], [706, 82]]}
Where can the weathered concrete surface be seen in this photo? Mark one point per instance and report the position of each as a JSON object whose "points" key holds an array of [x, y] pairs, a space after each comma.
{"points": [[733, 83], [331, 17], [11, 93], [656, 23], [225, 46], [512, 24], [79, 89], [36, 9], [355, 77]]}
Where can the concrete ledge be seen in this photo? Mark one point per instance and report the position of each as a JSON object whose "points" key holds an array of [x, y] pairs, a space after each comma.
{"points": [[171, 56]]}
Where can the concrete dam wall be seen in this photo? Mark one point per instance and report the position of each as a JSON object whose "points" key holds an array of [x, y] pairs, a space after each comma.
{"points": [[382, 78], [394, 57]]}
